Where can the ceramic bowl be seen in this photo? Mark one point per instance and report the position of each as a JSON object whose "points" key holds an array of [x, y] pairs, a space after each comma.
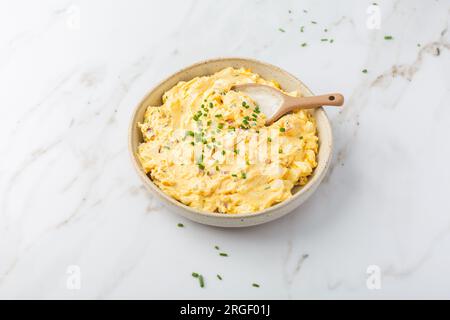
{"points": [[289, 83]]}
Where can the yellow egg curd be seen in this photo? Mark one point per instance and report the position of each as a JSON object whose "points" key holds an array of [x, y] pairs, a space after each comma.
{"points": [[207, 146]]}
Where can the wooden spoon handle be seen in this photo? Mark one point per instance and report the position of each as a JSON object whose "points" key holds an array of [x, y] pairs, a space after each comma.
{"points": [[293, 103], [330, 99]]}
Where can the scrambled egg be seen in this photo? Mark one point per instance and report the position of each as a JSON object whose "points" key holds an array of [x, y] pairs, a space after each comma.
{"points": [[207, 146]]}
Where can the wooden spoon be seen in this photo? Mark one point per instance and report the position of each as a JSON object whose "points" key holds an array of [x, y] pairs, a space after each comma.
{"points": [[276, 104]]}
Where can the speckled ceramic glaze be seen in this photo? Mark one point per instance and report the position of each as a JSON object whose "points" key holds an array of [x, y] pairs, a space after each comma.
{"points": [[289, 83]]}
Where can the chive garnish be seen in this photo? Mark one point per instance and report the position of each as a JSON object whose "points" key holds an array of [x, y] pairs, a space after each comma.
{"points": [[223, 152], [216, 247], [202, 281], [180, 225], [282, 129], [388, 37], [243, 175], [364, 71], [255, 285], [223, 254], [281, 30], [304, 44], [219, 277], [190, 133], [195, 274], [201, 166]]}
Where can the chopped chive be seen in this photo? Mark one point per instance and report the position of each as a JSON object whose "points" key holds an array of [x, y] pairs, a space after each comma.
{"points": [[192, 143], [223, 152], [364, 71], [280, 150], [218, 116], [282, 129], [243, 175], [209, 122], [202, 281], [325, 30], [195, 274], [257, 109], [281, 30], [302, 28], [324, 39], [201, 166], [255, 285], [190, 133], [180, 225], [220, 125], [219, 277], [233, 175], [269, 139], [217, 168], [216, 247], [223, 254], [211, 105], [313, 22], [388, 37], [331, 40]]}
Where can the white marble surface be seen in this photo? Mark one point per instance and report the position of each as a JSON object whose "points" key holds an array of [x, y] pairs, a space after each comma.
{"points": [[71, 73]]}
